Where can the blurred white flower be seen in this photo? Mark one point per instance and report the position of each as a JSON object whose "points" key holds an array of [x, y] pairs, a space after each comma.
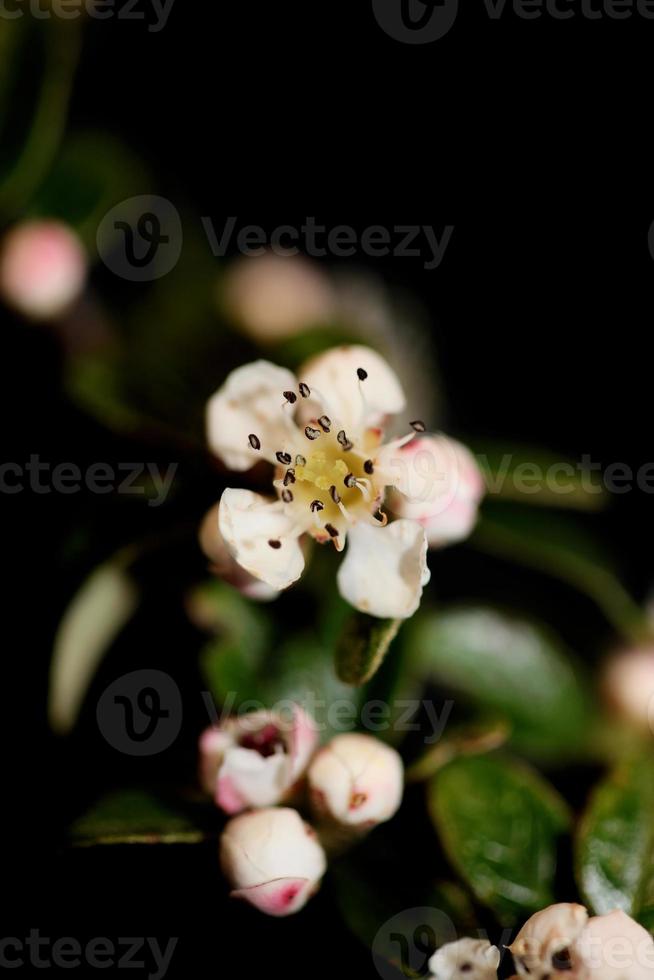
{"points": [[628, 685], [472, 959], [274, 296], [356, 780], [256, 759], [224, 565], [440, 485], [323, 433], [272, 859], [43, 268], [545, 944]]}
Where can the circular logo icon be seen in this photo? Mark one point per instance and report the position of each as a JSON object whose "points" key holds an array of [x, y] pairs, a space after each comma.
{"points": [[141, 712], [405, 943], [415, 21], [140, 239]]}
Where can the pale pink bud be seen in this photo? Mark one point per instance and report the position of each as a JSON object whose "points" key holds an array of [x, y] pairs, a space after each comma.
{"points": [[628, 685], [273, 859], [614, 947], [546, 944], [255, 760], [223, 564], [42, 268], [439, 485], [276, 296], [356, 780], [474, 959]]}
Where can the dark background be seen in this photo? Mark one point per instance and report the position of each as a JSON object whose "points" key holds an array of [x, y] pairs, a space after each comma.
{"points": [[517, 133]]}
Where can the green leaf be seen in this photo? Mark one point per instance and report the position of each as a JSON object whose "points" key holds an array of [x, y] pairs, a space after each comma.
{"points": [[499, 822], [615, 843], [559, 546], [468, 740], [138, 817], [362, 646], [96, 615], [510, 667]]}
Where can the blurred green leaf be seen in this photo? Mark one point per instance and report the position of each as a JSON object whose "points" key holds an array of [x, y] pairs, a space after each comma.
{"points": [[139, 817], [615, 842], [96, 615], [557, 545], [499, 822], [510, 667], [468, 740], [299, 348], [362, 646]]}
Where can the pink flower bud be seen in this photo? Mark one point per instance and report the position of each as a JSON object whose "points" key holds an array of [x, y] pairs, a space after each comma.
{"points": [[474, 959], [276, 296], [42, 268], [546, 943], [441, 487], [273, 859], [224, 566], [255, 760], [356, 781], [628, 685]]}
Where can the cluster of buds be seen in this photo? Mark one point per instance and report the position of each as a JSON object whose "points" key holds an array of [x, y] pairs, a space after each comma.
{"points": [[252, 763]]}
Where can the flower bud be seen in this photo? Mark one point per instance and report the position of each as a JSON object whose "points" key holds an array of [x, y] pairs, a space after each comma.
{"points": [[474, 959], [614, 947], [545, 946], [256, 759], [42, 268], [224, 566], [273, 859], [356, 781], [628, 685], [444, 484], [273, 296]]}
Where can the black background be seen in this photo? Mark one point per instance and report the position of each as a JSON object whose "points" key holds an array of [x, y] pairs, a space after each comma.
{"points": [[527, 137]]}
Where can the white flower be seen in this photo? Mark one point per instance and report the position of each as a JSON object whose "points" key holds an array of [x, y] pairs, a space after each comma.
{"points": [[224, 566], [273, 859], [470, 959], [256, 759], [356, 780], [324, 435], [42, 268], [561, 941], [442, 487]]}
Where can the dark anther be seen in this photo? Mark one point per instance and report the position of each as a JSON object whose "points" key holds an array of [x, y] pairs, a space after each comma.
{"points": [[255, 441], [342, 438], [331, 530], [275, 544], [284, 458], [418, 425], [465, 968], [350, 480], [368, 467], [334, 494], [290, 396], [561, 960], [305, 390], [325, 423], [289, 477], [287, 496], [300, 460], [310, 434], [317, 505], [361, 374]]}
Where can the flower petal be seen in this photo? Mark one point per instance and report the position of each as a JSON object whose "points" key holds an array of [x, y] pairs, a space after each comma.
{"points": [[248, 523], [354, 403], [223, 564], [246, 778], [282, 896], [385, 569], [249, 403]]}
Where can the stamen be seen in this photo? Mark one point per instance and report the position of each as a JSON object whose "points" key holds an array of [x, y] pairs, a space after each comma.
{"points": [[305, 390], [275, 544], [345, 512], [361, 374], [310, 434], [418, 425], [334, 494], [331, 530], [289, 477], [363, 489], [368, 467], [287, 496], [325, 423], [343, 440], [290, 396], [284, 458], [255, 441], [300, 460], [317, 505], [350, 481]]}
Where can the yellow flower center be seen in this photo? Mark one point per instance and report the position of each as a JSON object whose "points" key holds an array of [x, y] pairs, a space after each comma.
{"points": [[323, 471]]}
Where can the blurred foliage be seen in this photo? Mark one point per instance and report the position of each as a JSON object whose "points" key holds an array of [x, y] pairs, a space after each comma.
{"points": [[140, 817]]}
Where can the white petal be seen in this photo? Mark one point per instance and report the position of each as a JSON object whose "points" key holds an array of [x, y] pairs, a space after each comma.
{"points": [[248, 522], [257, 780], [249, 403], [385, 569], [353, 403], [225, 567], [265, 845]]}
